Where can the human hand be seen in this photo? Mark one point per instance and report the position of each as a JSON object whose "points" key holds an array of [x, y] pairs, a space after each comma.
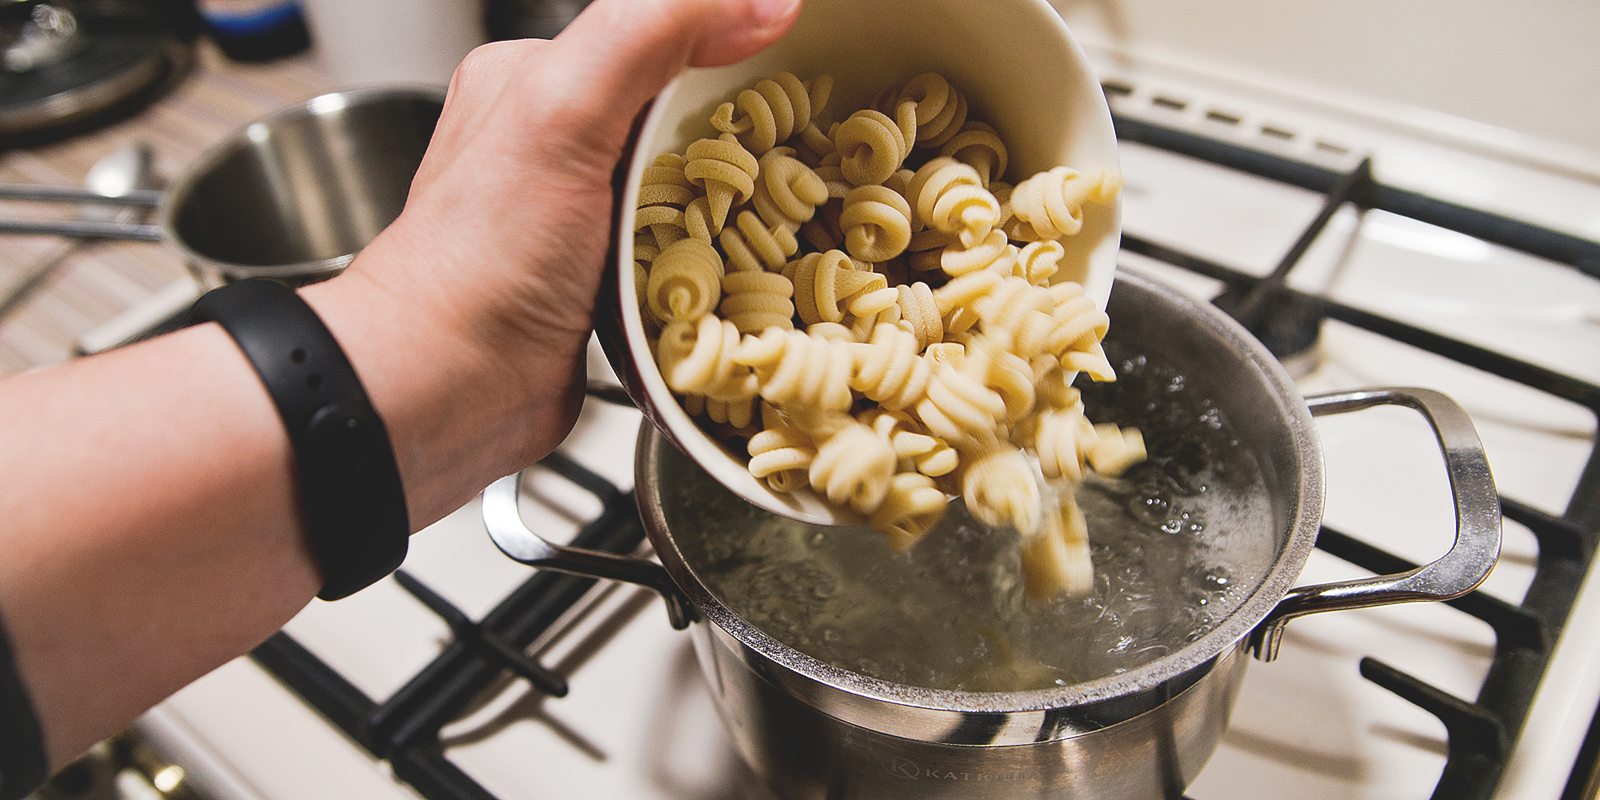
{"points": [[477, 303]]}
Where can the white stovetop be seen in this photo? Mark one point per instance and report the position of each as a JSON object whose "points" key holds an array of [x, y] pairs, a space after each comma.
{"points": [[637, 723]]}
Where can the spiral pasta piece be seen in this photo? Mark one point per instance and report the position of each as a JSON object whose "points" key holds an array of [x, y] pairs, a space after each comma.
{"points": [[1057, 560], [797, 371], [978, 145], [1091, 362], [1115, 449], [1062, 439], [664, 192], [787, 191], [697, 358], [1011, 377], [1050, 205], [872, 146], [756, 301], [889, 371], [993, 254], [919, 313], [910, 508], [685, 281], [1071, 305], [949, 196], [772, 111], [824, 283], [781, 455], [876, 222], [753, 246], [940, 109], [1037, 261], [959, 407], [854, 467], [725, 170], [999, 489], [1018, 315]]}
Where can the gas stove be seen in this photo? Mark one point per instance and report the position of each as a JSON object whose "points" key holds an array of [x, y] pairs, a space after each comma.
{"points": [[1369, 248]]}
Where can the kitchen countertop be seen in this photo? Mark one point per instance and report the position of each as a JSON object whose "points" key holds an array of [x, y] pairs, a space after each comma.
{"points": [[102, 280]]}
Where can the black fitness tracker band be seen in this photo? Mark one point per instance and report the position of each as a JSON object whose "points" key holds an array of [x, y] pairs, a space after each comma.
{"points": [[351, 500]]}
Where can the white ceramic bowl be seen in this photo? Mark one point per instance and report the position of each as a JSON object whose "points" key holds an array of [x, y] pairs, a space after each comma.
{"points": [[1021, 71]]}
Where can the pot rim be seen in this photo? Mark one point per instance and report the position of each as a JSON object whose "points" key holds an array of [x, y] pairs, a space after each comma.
{"points": [[840, 689]]}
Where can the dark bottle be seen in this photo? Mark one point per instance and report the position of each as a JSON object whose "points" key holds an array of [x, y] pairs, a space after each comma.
{"points": [[525, 19], [255, 30]]}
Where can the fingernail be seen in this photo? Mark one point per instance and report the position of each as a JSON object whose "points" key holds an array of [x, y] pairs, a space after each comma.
{"points": [[771, 11]]}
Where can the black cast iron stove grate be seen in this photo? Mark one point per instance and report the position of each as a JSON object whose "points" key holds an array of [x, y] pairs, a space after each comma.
{"points": [[404, 729]]}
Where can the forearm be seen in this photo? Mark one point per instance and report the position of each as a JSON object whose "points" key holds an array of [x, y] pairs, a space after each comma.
{"points": [[138, 554], [149, 529]]}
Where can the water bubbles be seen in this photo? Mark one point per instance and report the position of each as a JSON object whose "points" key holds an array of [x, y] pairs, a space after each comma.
{"points": [[1216, 580], [951, 613]]}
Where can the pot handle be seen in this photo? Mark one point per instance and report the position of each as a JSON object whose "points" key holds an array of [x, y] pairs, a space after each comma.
{"points": [[512, 536], [1477, 504]]}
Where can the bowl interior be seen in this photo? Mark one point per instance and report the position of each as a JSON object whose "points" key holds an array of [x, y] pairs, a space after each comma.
{"points": [[1022, 73]]}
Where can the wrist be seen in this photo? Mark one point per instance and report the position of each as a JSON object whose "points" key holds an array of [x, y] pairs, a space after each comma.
{"points": [[462, 403]]}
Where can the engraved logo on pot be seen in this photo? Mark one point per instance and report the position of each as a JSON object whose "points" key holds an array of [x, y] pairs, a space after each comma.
{"points": [[901, 767]]}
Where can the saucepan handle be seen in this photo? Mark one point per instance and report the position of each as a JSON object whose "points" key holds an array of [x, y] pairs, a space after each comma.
{"points": [[504, 521], [1477, 509]]}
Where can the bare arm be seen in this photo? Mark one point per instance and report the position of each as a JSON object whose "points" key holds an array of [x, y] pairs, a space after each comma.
{"points": [[148, 528]]}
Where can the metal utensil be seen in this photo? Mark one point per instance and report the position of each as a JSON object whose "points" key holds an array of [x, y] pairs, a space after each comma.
{"points": [[124, 175]]}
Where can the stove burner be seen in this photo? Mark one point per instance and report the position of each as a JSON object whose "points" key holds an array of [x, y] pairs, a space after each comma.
{"points": [[101, 69], [404, 729], [1289, 327]]}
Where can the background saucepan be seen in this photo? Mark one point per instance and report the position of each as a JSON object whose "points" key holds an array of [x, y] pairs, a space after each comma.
{"points": [[292, 196]]}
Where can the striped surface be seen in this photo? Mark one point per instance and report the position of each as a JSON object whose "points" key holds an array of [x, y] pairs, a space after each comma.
{"points": [[101, 280]]}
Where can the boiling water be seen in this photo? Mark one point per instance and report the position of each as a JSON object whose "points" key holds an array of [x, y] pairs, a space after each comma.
{"points": [[1178, 543]]}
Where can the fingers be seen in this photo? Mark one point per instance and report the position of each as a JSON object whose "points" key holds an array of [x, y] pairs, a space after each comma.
{"points": [[621, 53]]}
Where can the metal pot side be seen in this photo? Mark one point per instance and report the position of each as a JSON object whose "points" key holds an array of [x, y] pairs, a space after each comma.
{"points": [[1268, 557], [804, 755], [815, 730]]}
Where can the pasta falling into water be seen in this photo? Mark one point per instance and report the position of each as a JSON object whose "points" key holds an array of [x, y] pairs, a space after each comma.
{"points": [[872, 313]]}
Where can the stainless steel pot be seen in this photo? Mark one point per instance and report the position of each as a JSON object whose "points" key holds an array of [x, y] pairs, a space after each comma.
{"points": [[291, 196], [813, 730]]}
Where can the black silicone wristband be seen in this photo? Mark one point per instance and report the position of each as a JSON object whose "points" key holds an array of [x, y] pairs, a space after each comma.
{"points": [[351, 500]]}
